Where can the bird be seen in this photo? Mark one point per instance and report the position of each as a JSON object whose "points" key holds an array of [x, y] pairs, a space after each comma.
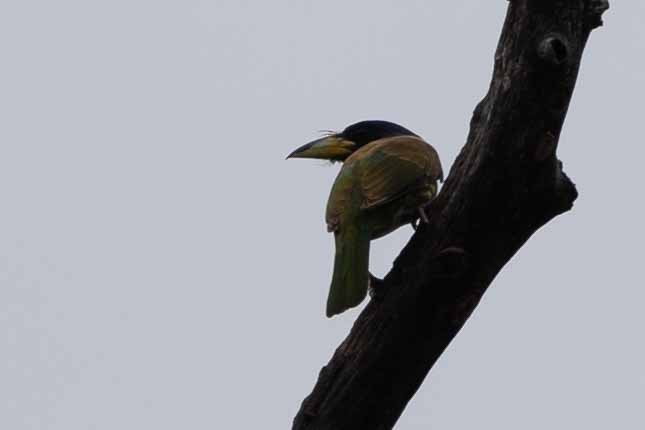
{"points": [[388, 177]]}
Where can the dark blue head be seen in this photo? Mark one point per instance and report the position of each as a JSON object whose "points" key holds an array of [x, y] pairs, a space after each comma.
{"points": [[365, 132], [339, 146]]}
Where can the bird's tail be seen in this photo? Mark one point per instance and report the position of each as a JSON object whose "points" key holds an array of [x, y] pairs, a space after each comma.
{"points": [[351, 268]]}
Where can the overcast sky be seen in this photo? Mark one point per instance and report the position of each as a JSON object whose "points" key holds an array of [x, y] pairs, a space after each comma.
{"points": [[162, 266]]}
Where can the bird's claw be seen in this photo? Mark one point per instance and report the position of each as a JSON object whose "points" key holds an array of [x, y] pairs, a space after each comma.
{"points": [[374, 288], [422, 214]]}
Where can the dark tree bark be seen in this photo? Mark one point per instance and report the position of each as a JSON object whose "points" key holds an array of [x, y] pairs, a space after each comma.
{"points": [[505, 184]]}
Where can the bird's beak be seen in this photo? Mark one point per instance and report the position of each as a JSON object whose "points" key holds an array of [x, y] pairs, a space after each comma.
{"points": [[331, 147]]}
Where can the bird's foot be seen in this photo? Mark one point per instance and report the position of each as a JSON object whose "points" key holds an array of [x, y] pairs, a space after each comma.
{"points": [[422, 214], [375, 288]]}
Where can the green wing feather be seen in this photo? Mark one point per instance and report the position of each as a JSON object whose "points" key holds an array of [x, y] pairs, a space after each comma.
{"points": [[394, 166]]}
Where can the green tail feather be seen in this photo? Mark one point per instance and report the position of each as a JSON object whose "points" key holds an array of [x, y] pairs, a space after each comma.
{"points": [[351, 269]]}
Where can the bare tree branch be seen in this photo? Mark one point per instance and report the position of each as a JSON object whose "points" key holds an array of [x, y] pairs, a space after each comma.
{"points": [[505, 184]]}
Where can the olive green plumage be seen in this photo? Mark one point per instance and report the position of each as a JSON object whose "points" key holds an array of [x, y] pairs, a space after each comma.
{"points": [[384, 183], [380, 187]]}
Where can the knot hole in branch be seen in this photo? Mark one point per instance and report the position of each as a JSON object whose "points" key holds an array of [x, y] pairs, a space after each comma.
{"points": [[554, 49]]}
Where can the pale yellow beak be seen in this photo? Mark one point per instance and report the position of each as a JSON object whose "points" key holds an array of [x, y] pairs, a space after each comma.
{"points": [[332, 147]]}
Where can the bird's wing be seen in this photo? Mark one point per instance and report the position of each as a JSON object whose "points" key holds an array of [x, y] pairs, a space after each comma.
{"points": [[343, 196], [393, 166], [379, 173]]}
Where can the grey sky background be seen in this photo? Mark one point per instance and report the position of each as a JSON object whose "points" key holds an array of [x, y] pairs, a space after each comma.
{"points": [[163, 267]]}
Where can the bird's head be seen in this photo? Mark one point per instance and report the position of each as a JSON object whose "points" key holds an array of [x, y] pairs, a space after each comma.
{"points": [[339, 146]]}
